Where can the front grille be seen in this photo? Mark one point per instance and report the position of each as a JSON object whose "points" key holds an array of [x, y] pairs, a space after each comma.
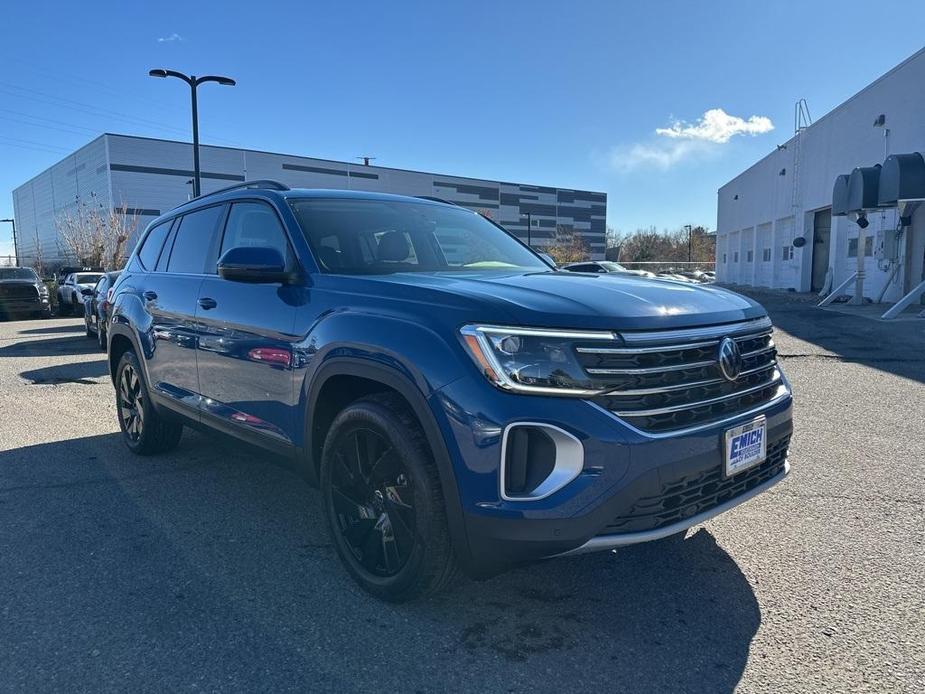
{"points": [[689, 495], [18, 291], [670, 380]]}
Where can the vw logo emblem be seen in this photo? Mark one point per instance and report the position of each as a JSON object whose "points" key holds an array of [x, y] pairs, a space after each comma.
{"points": [[730, 359]]}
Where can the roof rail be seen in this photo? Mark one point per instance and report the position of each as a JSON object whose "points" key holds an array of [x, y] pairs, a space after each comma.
{"points": [[260, 183]]}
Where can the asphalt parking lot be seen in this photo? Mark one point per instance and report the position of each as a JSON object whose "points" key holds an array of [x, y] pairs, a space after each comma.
{"points": [[209, 569]]}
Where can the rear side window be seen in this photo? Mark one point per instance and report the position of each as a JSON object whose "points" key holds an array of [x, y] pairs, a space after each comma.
{"points": [[194, 240], [151, 249], [255, 224]]}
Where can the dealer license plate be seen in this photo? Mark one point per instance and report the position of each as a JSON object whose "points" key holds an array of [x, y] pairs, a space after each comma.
{"points": [[746, 446]]}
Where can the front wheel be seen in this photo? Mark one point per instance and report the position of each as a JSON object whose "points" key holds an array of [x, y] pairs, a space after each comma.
{"points": [[101, 337], [383, 501], [144, 431]]}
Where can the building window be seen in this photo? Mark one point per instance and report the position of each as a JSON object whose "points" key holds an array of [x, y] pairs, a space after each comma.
{"points": [[735, 257], [724, 258], [852, 248], [750, 257], [869, 246], [786, 253], [766, 255]]}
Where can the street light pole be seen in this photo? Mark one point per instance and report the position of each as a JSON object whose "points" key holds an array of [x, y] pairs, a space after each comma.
{"points": [[529, 216], [193, 83], [15, 247], [690, 248]]}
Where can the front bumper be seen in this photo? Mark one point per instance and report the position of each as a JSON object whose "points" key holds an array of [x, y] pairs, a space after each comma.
{"points": [[633, 487], [22, 306], [614, 540]]}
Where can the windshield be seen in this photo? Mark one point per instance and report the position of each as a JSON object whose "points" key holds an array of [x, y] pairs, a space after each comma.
{"points": [[87, 278], [18, 273], [352, 236]]}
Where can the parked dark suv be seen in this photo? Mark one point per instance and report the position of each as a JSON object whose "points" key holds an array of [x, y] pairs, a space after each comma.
{"points": [[459, 402], [21, 292]]}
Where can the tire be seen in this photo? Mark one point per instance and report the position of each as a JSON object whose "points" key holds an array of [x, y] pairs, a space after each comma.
{"points": [[101, 338], [90, 333], [64, 308], [384, 504], [144, 431]]}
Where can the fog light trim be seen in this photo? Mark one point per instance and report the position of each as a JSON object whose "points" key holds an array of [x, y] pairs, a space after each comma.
{"points": [[570, 460]]}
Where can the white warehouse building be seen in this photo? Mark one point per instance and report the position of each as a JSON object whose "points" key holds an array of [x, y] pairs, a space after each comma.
{"points": [[151, 176], [789, 194]]}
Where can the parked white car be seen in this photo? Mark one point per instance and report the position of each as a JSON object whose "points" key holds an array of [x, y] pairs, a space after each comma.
{"points": [[70, 293]]}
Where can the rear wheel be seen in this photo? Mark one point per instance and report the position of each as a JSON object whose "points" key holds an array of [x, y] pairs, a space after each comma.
{"points": [[383, 501], [144, 431]]}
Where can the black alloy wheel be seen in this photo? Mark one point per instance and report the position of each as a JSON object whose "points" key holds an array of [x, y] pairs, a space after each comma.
{"points": [[144, 430], [373, 502], [383, 500], [131, 403]]}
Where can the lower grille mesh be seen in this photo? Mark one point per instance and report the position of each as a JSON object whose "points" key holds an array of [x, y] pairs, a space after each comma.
{"points": [[687, 496]]}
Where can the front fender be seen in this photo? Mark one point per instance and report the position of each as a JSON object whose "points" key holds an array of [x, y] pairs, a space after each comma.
{"points": [[417, 352]]}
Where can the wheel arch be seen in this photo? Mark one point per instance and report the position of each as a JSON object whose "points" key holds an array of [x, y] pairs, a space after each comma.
{"points": [[363, 378]]}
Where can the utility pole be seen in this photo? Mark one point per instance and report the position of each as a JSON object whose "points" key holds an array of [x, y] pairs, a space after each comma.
{"points": [[690, 246], [15, 246], [193, 83]]}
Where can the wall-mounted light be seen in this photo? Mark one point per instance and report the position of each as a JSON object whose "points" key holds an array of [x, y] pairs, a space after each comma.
{"points": [[880, 121], [782, 172]]}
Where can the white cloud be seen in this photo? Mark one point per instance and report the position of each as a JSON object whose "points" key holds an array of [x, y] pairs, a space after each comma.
{"points": [[170, 39], [660, 155], [683, 141], [717, 126]]}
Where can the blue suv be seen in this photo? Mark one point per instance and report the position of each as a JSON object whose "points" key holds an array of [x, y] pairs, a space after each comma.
{"points": [[460, 403]]}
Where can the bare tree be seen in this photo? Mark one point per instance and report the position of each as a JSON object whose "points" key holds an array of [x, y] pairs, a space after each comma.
{"points": [[568, 247], [38, 255], [97, 235]]}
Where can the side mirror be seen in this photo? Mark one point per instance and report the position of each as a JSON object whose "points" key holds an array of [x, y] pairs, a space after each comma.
{"points": [[87, 291], [799, 242], [253, 264]]}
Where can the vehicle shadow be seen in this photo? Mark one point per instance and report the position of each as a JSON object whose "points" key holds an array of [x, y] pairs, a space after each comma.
{"points": [[55, 330], [53, 347], [896, 347], [224, 563], [83, 372]]}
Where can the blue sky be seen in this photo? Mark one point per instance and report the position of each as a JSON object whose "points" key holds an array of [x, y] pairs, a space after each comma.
{"points": [[656, 103]]}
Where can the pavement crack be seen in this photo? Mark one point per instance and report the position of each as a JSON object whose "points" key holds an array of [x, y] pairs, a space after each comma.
{"points": [[853, 360], [850, 497]]}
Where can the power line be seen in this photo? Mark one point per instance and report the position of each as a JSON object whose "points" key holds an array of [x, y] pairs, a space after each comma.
{"points": [[89, 109], [31, 144]]}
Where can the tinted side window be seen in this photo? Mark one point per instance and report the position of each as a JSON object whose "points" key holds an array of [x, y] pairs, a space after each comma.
{"points": [[255, 224], [194, 239], [151, 249]]}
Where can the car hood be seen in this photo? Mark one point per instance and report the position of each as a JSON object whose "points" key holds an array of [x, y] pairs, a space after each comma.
{"points": [[578, 300], [31, 283]]}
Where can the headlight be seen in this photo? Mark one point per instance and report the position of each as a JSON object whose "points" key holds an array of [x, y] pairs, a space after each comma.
{"points": [[43, 290], [532, 360]]}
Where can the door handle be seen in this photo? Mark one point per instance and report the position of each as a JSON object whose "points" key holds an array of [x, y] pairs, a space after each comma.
{"points": [[149, 295], [206, 303]]}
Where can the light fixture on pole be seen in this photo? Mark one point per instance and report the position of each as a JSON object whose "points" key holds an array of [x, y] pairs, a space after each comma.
{"points": [[193, 83]]}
